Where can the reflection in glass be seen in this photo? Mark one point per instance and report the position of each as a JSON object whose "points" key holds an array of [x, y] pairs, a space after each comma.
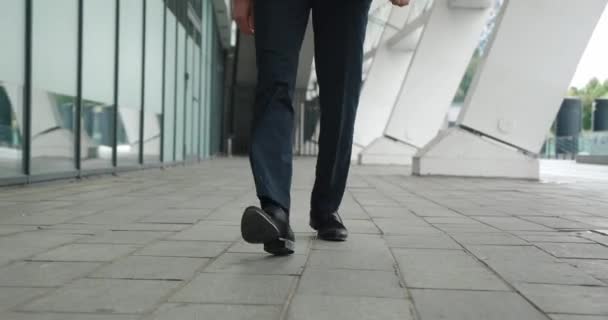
{"points": [[98, 84], [189, 74], [54, 58], [169, 115], [129, 81], [12, 16], [153, 81]]}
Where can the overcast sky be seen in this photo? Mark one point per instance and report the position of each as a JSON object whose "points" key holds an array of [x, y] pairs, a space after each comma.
{"points": [[595, 60]]}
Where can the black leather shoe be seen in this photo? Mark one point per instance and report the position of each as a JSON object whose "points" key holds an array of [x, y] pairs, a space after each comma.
{"points": [[269, 226], [329, 227]]}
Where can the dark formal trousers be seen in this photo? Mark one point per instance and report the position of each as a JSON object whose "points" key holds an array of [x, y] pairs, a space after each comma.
{"points": [[339, 32]]}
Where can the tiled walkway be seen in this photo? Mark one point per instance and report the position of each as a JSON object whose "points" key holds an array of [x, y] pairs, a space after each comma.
{"points": [[165, 245]]}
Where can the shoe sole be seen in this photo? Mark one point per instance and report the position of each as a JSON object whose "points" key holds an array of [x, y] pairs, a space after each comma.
{"points": [[257, 227]]}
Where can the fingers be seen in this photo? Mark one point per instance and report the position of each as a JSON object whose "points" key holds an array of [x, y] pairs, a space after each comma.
{"points": [[401, 3], [243, 15]]}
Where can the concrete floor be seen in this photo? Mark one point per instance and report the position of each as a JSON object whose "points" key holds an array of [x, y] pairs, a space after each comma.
{"points": [[166, 245]]}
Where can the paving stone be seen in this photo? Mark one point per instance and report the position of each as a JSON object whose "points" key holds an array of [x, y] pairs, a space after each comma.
{"points": [[63, 316], [104, 296], [445, 269], [192, 249], [401, 226], [10, 297], [576, 250], [576, 317], [512, 223], [22, 245], [176, 216], [359, 260], [236, 289], [451, 220], [43, 274], [305, 307], [151, 268], [466, 228], [361, 226], [567, 237], [125, 237], [487, 239], [214, 311], [86, 252], [208, 232], [10, 229], [364, 283], [438, 241], [597, 237], [458, 305], [360, 242], [510, 253], [596, 268], [567, 299], [396, 212], [252, 263], [542, 272], [558, 223]]}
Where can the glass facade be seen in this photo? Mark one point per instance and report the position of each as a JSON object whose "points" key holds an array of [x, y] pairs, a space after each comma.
{"points": [[92, 85]]}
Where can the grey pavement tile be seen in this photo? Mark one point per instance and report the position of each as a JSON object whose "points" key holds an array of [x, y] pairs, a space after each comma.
{"points": [[557, 222], [121, 227], [597, 237], [395, 212], [596, 268], [401, 226], [346, 259], [251, 263], [151, 268], [595, 222], [567, 299], [438, 241], [466, 228], [6, 229], [125, 237], [192, 249], [451, 220], [43, 274], [22, 245], [305, 307], [576, 317], [362, 242], [501, 253], [206, 231], [469, 305], [63, 316], [216, 311], [361, 226], [104, 296], [567, 237], [86, 252], [445, 269], [176, 216], [494, 238], [363, 283], [543, 272], [236, 289], [11, 297], [512, 223], [575, 250]]}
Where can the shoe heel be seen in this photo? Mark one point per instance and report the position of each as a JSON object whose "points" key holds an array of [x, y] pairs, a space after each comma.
{"points": [[280, 247], [257, 226]]}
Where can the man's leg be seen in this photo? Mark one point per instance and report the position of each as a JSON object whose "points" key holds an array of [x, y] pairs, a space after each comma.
{"points": [[339, 35], [279, 30]]}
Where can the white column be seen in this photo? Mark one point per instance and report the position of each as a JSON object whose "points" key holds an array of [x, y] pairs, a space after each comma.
{"points": [[517, 91], [451, 31]]}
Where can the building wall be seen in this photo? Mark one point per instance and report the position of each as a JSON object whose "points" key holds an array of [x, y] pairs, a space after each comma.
{"points": [[100, 85]]}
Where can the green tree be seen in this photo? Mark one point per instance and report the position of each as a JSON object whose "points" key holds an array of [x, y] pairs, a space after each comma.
{"points": [[593, 90]]}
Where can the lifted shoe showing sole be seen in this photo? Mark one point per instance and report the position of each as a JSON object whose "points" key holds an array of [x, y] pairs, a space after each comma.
{"points": [[259, 227]]}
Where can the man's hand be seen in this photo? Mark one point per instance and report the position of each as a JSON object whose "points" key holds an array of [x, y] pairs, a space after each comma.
{"points": [[401, 3], [243, 15]]}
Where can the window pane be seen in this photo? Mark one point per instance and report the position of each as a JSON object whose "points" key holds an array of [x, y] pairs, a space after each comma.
{"points": [[129, 81], [179, 108], [153, 95], [99, 18], [12, 31], [188, 103], [54, 57], [169, 115]]}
